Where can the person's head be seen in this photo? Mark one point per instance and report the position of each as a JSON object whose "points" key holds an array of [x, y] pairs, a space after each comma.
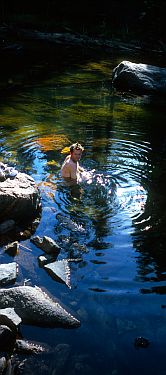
{"points": [[76, 151]]}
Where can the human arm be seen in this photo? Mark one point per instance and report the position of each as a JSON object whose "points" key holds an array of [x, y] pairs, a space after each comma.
{"points": [[65, 171], [81, 169]]}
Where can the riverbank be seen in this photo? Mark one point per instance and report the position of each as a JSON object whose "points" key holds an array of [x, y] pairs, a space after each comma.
{"points": [[21, 49]]}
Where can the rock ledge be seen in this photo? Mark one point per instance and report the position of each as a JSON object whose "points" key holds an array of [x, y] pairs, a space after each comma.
{"points": [[19, 198]]}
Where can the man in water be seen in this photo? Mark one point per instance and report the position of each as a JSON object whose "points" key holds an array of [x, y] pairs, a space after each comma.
{"points": [[71, 168]]}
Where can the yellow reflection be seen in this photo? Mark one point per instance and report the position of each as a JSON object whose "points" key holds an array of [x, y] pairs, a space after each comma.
{"points": [[102, 66], [53, 162], [52, 142], [124, 110], [65, 150]]}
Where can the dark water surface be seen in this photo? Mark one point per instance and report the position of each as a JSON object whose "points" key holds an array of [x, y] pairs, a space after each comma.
{"points": [[116, 223]]}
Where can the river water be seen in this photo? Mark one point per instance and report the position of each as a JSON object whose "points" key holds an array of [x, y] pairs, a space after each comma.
{"points": [[115, 222]]}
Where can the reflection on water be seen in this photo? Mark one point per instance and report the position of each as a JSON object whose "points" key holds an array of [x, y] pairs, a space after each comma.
{"points": [[114, 222]]}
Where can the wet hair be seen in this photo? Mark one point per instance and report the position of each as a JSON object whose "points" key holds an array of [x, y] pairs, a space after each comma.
{"points": [[76, 146]]}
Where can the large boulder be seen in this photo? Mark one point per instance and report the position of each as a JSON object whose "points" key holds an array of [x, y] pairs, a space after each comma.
{"points": [[19, 197], [139, 78], [36, 307]]}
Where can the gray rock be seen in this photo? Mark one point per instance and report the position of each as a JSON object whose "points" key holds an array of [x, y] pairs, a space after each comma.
{"points": [[139, 78], [35, 307], [19, 198], [60, 270], [9, 318], [44, 259], [8, 273], [26, 347], [7, 172], [47, 244], [12, 248]]}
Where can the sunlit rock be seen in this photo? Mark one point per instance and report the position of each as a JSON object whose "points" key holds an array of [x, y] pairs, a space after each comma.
{"points": [[70, 224], [139, 78], [44, 259], [59, 270], [35, 307], [9, 318], [8, 273], [19, 196]]}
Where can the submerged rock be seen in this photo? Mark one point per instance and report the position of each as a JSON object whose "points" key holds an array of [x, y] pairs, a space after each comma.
{"points": [[139, 78], [141, 342], [26, 347], [19, 198], [70, 224], [47, 244]]}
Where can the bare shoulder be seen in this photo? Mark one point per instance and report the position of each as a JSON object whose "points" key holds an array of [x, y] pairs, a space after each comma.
{"points": [[67, 160]]}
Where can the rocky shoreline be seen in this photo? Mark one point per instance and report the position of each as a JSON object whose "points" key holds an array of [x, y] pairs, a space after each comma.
{"points": [[30, 305], [13, 34], [20, 42]]}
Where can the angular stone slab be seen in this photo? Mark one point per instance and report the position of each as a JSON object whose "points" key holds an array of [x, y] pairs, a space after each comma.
{"points": [[19, 198], [35, 307], [8, 273], [139, 78], [60, 270], [9, 318]]}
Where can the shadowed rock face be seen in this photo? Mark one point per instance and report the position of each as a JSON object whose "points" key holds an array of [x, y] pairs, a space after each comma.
{"points": [[139, 78], [36, 308]]}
